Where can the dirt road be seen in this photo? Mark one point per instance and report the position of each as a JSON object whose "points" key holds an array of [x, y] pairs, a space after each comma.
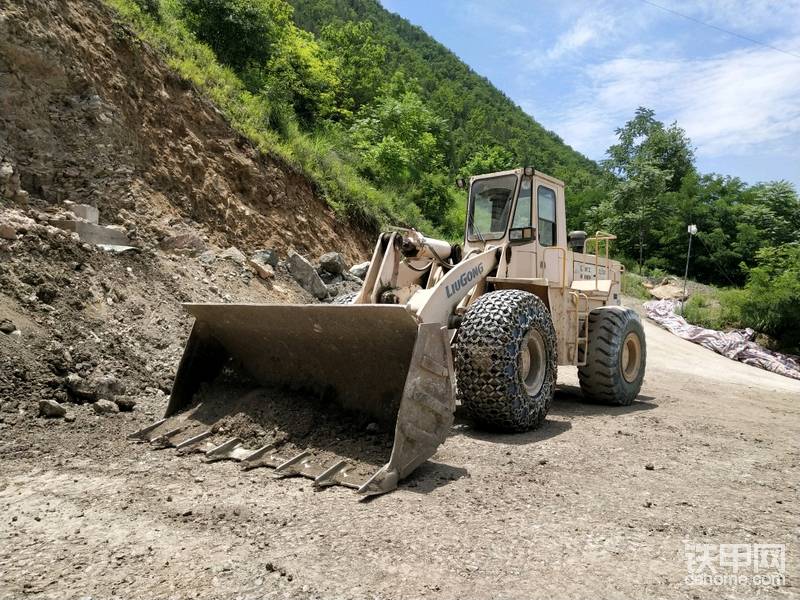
{"points": [[598, 502]]}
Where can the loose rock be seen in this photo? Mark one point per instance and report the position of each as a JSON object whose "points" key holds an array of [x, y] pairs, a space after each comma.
{"points": [[190, 241], [51, 409], [261, 265], [7, 232], [268, 257], [360, 270], [6, 326], [306, 275], [105, 407], [107, 386], [234, 254], [333, 263], [80, 389], [125, 404]]}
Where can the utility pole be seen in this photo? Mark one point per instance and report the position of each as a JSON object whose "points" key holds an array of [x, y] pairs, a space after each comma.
{"points": [[692, 229]]}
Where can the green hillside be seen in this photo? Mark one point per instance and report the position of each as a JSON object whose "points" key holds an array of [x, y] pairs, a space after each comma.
{"points": [[377, 112], [477, 113]]}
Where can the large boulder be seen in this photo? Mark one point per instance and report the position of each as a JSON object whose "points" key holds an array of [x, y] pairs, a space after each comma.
{"points": [[333, 263], [306, 275]]}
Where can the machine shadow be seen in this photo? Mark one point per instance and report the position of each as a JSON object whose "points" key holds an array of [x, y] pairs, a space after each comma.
{"points": [[550, 428], [569, 401]]}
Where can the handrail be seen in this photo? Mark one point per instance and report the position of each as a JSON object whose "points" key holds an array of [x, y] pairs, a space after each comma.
{"points": [[601, 236]]}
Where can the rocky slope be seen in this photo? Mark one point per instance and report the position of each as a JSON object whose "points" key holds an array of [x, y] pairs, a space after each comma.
{"points": [[90, 115]]}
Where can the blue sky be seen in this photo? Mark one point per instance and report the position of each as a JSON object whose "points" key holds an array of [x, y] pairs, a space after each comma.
{"points": [[582, 67]]}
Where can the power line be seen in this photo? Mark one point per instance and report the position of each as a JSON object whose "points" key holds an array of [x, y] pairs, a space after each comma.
{"points": [[712, 26]]}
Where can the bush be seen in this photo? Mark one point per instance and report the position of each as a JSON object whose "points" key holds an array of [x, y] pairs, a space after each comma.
{"points": [[633, 285], [770, 300], [150, 7], [242, 33]]}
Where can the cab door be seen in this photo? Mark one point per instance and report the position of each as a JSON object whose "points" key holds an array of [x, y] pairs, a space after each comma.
{"points": [[549, 216], [522, 234]]}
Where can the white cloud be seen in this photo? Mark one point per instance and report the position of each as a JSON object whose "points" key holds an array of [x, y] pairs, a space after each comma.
{"points": [[729, 104], [588, 30]]}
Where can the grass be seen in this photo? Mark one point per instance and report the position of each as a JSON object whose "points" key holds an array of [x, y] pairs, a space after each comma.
{"points": [[350, 195], [633, 285]]}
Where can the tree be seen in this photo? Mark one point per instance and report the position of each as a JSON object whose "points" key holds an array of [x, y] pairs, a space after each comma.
{"points": [[361, 61], [645, 140], [242, 33], [650, 160], [488, 159], [398, 138]]}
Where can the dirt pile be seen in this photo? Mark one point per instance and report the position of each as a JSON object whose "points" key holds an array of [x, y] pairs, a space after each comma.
{"points": [[90, 116]]}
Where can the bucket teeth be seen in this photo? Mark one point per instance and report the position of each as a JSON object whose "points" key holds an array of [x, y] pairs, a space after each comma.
{"points": [[260, 458], [328, 476], [285, 468], [189, 444], [142, 434], [165, 440], [223, 450]]}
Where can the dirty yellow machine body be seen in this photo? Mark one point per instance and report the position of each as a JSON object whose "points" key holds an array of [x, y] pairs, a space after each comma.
{"points": [[484, 323]]}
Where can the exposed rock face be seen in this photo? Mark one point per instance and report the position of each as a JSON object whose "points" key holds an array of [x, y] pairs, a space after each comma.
{"points": [[92, 116]]}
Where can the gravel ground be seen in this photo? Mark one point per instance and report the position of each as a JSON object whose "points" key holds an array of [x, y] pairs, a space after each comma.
{"points": [[598, 502]]}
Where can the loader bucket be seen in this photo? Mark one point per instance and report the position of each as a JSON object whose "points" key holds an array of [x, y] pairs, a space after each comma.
{"points": [[369, 363]]}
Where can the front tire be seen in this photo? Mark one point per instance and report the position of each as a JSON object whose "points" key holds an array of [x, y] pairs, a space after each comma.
{"points": [[616, 358], [506, 361]]}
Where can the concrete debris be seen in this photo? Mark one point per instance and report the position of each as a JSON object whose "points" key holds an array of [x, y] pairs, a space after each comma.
{"points": [[360, 270], [94, 234], [84, 212], [306, 275], [333, 263], [105, 407], [51, 409]]}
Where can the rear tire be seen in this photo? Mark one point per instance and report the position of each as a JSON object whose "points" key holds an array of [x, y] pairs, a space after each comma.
{"points": [[506, 361], [616, 357]]}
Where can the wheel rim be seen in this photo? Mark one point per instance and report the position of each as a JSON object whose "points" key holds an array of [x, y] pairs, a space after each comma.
{"points": [[532, 363], [631, 357]]}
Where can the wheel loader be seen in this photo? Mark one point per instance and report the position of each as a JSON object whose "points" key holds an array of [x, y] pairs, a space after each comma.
{"points": [[483, 324]]}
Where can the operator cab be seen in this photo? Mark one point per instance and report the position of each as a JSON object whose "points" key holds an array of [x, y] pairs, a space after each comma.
{"points": [[522, 207]]}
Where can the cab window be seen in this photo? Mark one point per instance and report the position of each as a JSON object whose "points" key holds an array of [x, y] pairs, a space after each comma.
{"points": [[522, 214], [546, 198], [490, 207]]}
